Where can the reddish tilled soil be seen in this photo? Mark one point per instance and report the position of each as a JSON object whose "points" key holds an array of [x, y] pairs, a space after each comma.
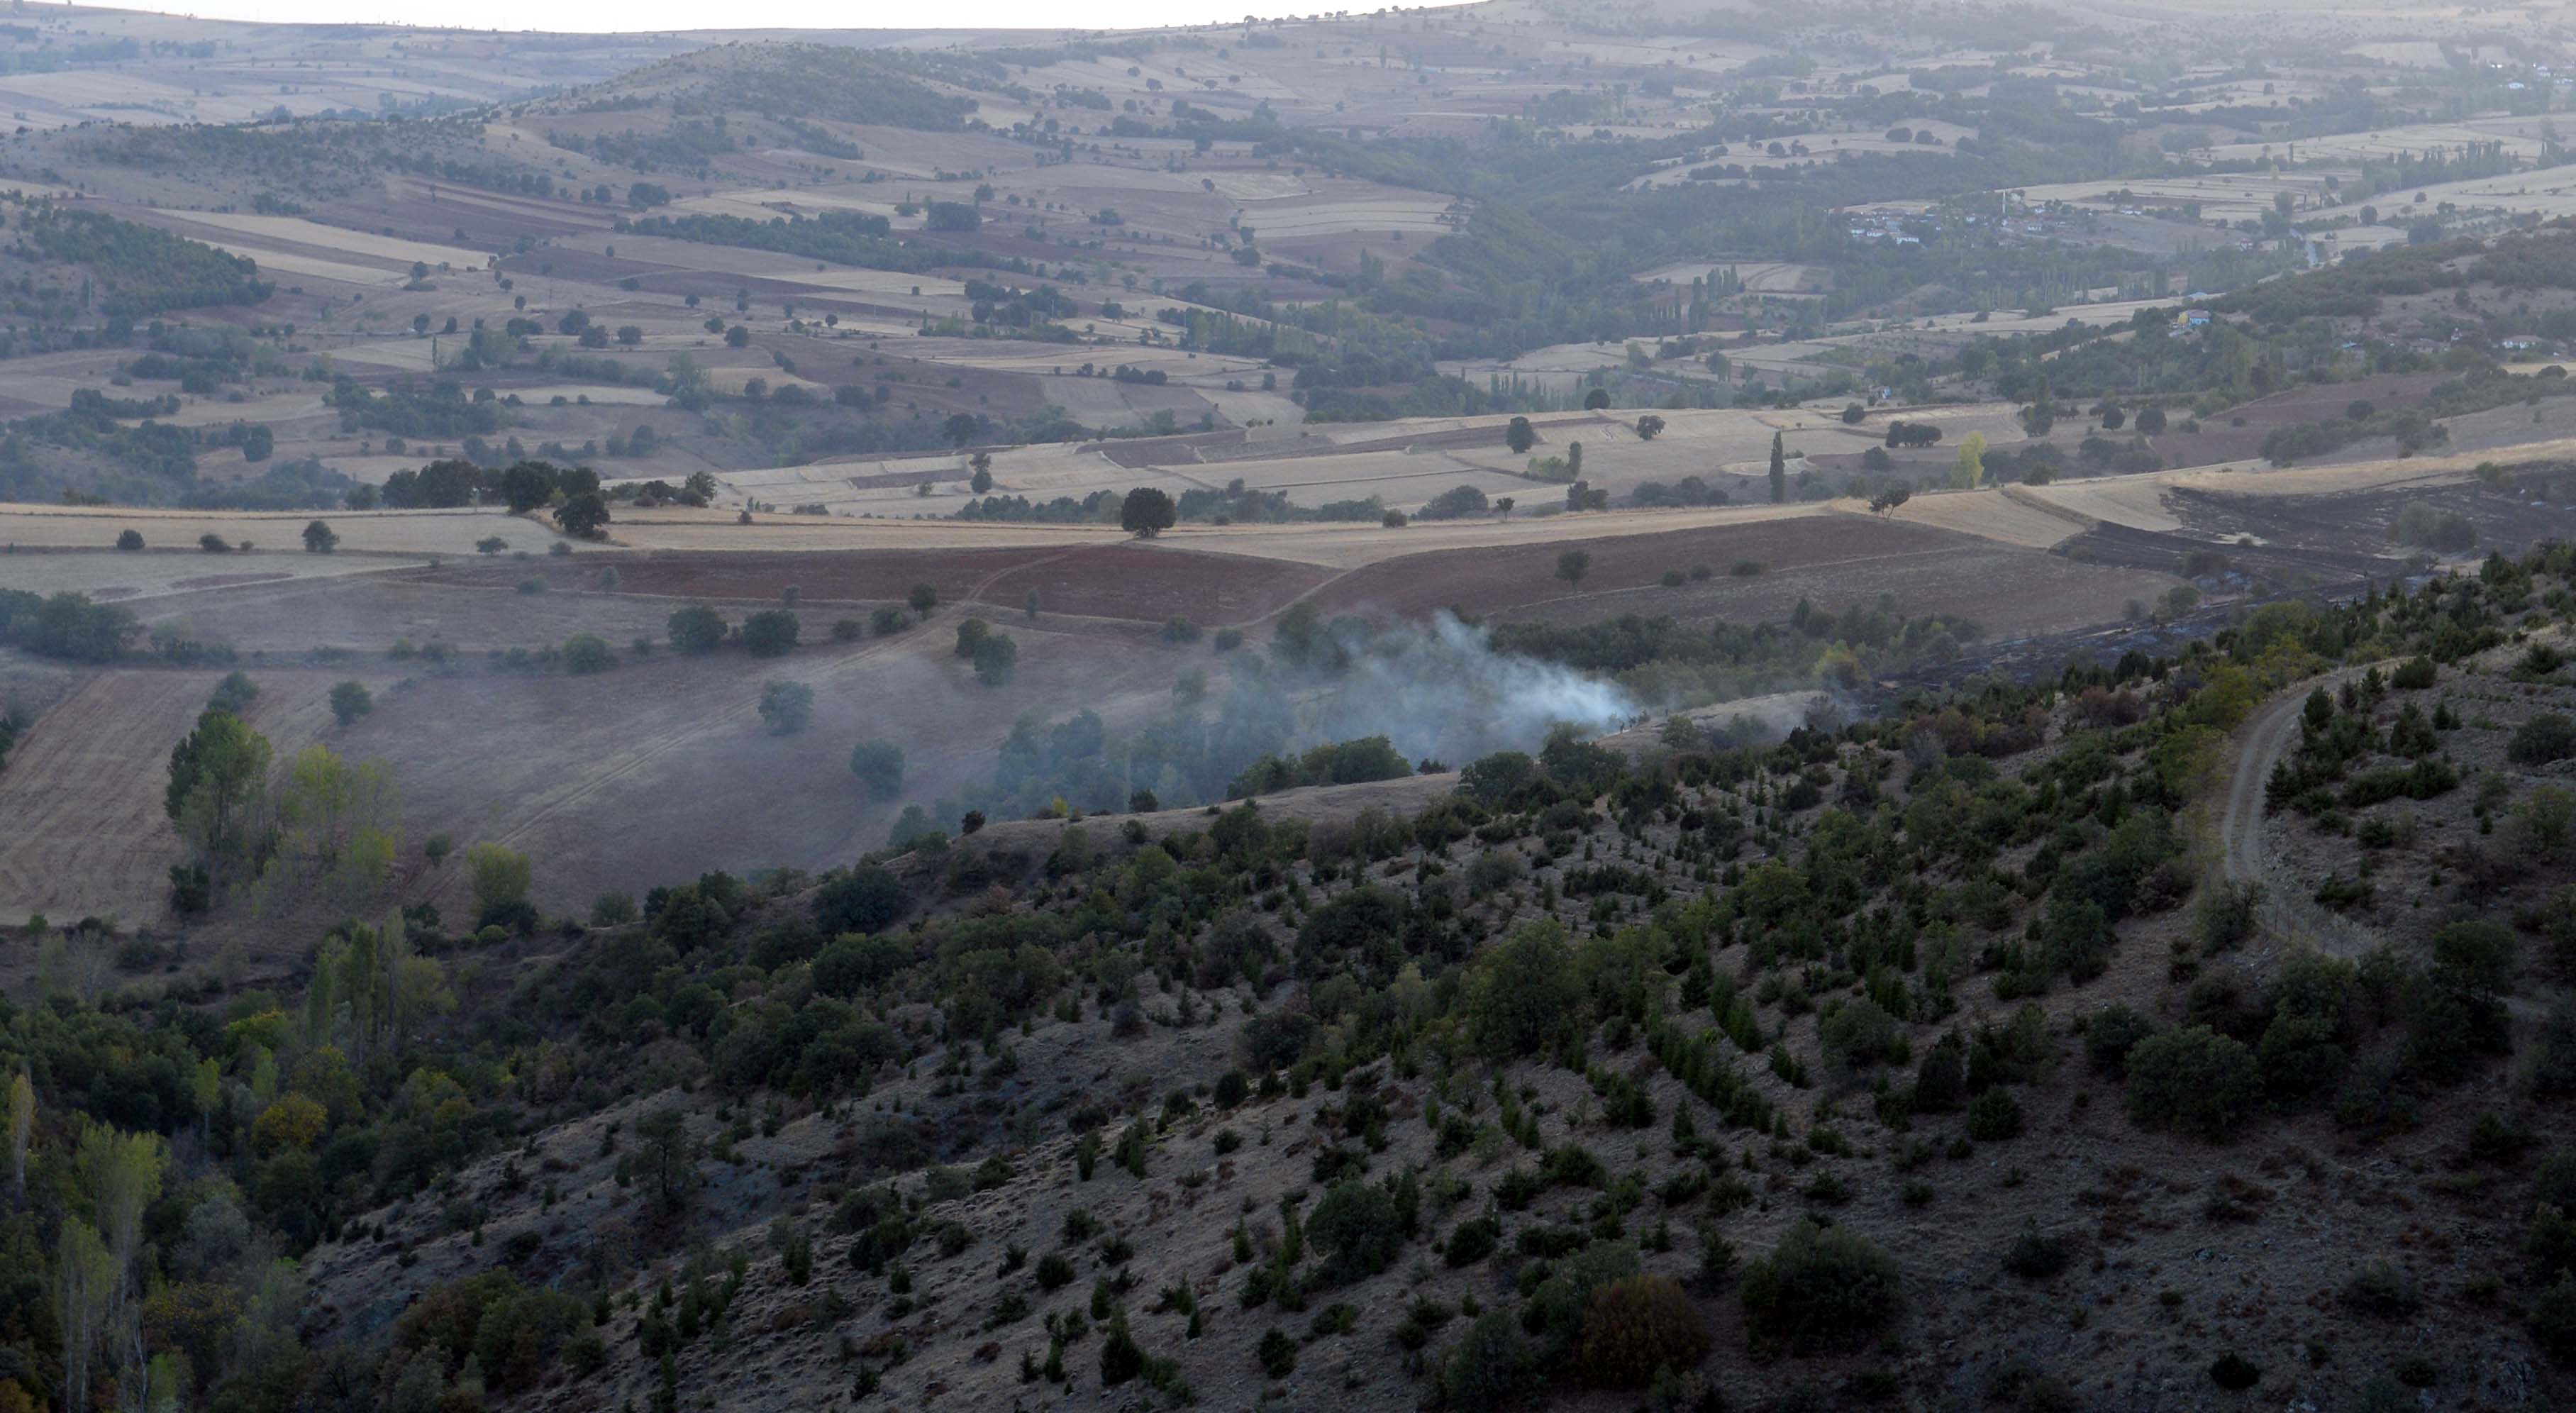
{"points": [[2220, 440], [1832, 561], [1141, 452], [1146, 583]]}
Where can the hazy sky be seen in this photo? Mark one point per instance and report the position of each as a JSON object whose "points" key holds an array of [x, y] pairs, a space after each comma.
{"points": [[631, 15]]}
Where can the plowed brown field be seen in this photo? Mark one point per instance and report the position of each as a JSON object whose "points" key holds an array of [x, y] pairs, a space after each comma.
{"points": [[1116, 579]]}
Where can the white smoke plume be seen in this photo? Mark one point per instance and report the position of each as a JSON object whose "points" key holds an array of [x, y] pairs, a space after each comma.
{"points": [[1440, 691]]}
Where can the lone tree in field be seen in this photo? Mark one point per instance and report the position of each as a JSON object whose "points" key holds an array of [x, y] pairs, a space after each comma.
{"points": [[770, 633], [982, 465], [696, 629], [501, 876], [1779, 470], [667, 1157], [349, 701], [786, 706], [879, 766], [1503, 506], [1649, 427], [585, 515], [587, 653], [1519, 436], [1572, 565], [319, 538], [1146, 513], [997, 659], [923, 598]]}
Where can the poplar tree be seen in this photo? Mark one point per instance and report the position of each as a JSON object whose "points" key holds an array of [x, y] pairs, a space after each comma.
{"points": [[22, 1126], [84, 1278]]}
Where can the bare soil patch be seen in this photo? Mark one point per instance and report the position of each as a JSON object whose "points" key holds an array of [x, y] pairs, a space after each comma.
{"points": [[1118, 579], [582, 772], [2220, 439], [1830, 561]]}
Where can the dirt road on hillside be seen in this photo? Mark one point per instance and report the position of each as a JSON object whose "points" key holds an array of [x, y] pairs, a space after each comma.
{"points": [[2288, 910]]}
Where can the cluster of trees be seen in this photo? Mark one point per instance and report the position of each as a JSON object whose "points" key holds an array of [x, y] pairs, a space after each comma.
{"points": [[1337, 763], [768, 632], [2412, 429], [440, 411], [996, 655], [439, 485], [579, 507], [320, 821], [1689, 490], [167, 1170], [67, 625], [143, 270], [151, 462]]}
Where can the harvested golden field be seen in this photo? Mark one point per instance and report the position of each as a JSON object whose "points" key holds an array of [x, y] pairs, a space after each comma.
{"points": [[1301, 217], [1335, 545], [2138, 501], [2520, 139], [297, 231], [2134, 501], [111, 575], [2005, 514], [1355, 546], [679, 528], [272, 533]]}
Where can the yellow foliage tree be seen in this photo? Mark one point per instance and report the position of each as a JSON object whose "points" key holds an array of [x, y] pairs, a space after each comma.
{"points": [[292, 1124], [1969, 471]]}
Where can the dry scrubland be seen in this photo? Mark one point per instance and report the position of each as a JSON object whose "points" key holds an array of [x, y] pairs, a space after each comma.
{"points": [[2287, 1241]]}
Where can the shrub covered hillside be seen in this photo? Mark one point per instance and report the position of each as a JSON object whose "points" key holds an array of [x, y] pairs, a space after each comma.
{"points": [[1930, 1061]]}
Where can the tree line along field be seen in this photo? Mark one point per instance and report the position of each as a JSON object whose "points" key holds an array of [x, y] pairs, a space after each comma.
{"points": [[1110, 579]]}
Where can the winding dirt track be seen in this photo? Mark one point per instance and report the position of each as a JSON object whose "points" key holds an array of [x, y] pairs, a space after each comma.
{"points": [[2288, 910]]}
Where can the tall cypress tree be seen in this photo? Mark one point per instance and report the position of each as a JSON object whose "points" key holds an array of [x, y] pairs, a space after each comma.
{"points": [[1779, 471]]}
